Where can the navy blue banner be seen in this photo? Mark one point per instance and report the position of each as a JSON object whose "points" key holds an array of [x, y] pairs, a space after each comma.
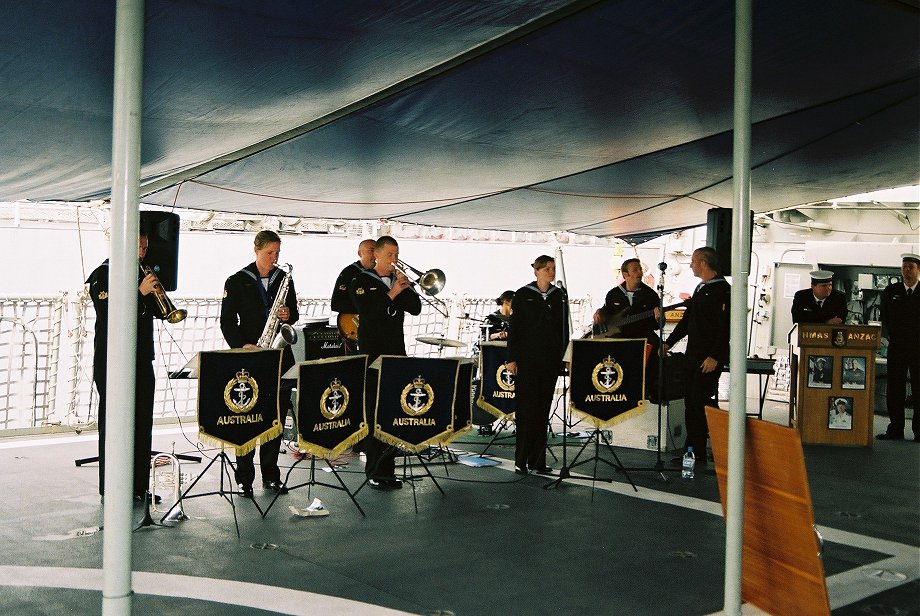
{"points": [[415, 401], [607, 378], [330, 404], [496, 395], [238, 397]]}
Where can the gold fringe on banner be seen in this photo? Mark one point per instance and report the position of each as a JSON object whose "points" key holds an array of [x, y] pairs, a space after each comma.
{"points": [[410, 447], [599, 424], [246, 447], [322, 452], [499, 414]]}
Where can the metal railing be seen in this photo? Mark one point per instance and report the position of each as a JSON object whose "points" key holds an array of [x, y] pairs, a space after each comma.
{"points": [[36, 393]]}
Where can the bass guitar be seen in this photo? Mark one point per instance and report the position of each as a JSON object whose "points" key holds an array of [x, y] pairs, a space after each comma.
{"points": [[614, 324]]}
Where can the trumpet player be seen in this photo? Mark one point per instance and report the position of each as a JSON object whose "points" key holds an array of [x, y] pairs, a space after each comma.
{"points": [[249, 295], [383, 297], [98, 284]]}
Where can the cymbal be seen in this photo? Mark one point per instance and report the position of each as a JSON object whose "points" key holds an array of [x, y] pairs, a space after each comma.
{"points": [[441, 342]]}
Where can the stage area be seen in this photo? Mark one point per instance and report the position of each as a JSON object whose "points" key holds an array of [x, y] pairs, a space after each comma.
{"points": [[494, 543]]}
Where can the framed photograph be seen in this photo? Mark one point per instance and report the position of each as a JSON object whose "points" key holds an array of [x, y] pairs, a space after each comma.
{"points": [[820, 371], [853, 373], [840, 413]]}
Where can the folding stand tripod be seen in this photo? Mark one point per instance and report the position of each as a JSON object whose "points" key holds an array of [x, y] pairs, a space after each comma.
{"points": [[406, 476], [227, 495], [596, 436], [497, 434], [313, 482]]}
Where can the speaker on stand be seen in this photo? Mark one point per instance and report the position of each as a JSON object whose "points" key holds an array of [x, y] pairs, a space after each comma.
{"points": [[162, 231], [719, 236]]}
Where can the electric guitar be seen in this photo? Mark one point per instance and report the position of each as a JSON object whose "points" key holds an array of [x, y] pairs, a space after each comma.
{"points": [[348, 326], [614, 324]]}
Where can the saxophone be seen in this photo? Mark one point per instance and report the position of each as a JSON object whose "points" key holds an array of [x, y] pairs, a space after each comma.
{"points": [[276, 334]]}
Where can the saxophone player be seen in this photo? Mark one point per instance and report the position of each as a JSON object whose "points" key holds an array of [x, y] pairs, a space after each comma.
{"points": [[249, 296]]}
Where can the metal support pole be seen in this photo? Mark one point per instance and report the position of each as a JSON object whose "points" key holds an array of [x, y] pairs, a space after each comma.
{"points": [[741, 264], [122, 332]]}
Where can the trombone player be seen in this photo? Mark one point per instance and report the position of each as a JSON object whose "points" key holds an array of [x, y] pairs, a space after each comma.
{"points": [[249, 296], [383, 297], [147, 289]]}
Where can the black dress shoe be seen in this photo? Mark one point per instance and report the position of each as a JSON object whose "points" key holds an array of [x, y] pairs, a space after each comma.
{"points": [[394, 484], [275, 486], [245, 491], [544, 470], [520, 471], [888, 436]]}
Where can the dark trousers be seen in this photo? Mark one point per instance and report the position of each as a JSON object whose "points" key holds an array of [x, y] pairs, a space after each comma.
{"points": [[701, 390], [902, 361], [534, 387], [268, 452], [143, 425], [381, 458]]}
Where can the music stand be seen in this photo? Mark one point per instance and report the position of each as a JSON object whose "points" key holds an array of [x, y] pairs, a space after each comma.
{"points": [[496, 390], [188, 371], [313, 482], [414, 407], [329, 414], [608, 379]]}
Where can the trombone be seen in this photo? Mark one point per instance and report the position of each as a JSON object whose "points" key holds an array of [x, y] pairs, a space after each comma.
{"points": [[431, 283]]}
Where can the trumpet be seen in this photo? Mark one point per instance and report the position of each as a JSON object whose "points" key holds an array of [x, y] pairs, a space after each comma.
{"points": [[431, 282], [168, 310]]}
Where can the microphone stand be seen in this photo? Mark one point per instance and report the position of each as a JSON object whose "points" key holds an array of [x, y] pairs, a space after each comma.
{"points": [[566, 320], [659, 465]]}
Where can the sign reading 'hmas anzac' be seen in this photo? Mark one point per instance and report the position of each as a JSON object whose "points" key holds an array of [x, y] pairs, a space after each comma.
{"points": [[496, 394], [607, 378], [238, 397], [415, 400], [330, 404]]}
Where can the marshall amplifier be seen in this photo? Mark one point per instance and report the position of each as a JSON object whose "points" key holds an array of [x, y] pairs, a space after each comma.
{"points": [[321, 342]]}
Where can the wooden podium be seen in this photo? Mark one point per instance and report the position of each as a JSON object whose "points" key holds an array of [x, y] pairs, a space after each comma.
{"points": [[835, 390]]}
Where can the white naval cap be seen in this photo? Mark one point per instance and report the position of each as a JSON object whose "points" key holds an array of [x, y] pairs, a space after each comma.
{"points": [[909, 256], [821, 275]]}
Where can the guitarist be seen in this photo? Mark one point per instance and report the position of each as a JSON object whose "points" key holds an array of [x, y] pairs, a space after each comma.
{"points": [[632, 296], [343, 300]]}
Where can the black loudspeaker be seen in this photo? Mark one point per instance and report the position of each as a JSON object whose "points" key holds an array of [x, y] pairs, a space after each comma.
{"points": [[719, 236], [162, 230]]}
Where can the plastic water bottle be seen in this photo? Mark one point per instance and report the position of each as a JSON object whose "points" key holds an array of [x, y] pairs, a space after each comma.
{"points": [[686, 470]]}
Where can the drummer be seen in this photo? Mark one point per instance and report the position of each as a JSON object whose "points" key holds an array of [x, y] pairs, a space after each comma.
{"points": [[495, 326]]}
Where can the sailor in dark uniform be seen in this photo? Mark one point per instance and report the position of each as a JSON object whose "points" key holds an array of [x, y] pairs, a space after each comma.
{"points": [[496, 324], [384, 297], [343, 301], [706, 325], [632, 297], [248, 296], [537, 340], [145, 383], [821, 303], [900, 312]]}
